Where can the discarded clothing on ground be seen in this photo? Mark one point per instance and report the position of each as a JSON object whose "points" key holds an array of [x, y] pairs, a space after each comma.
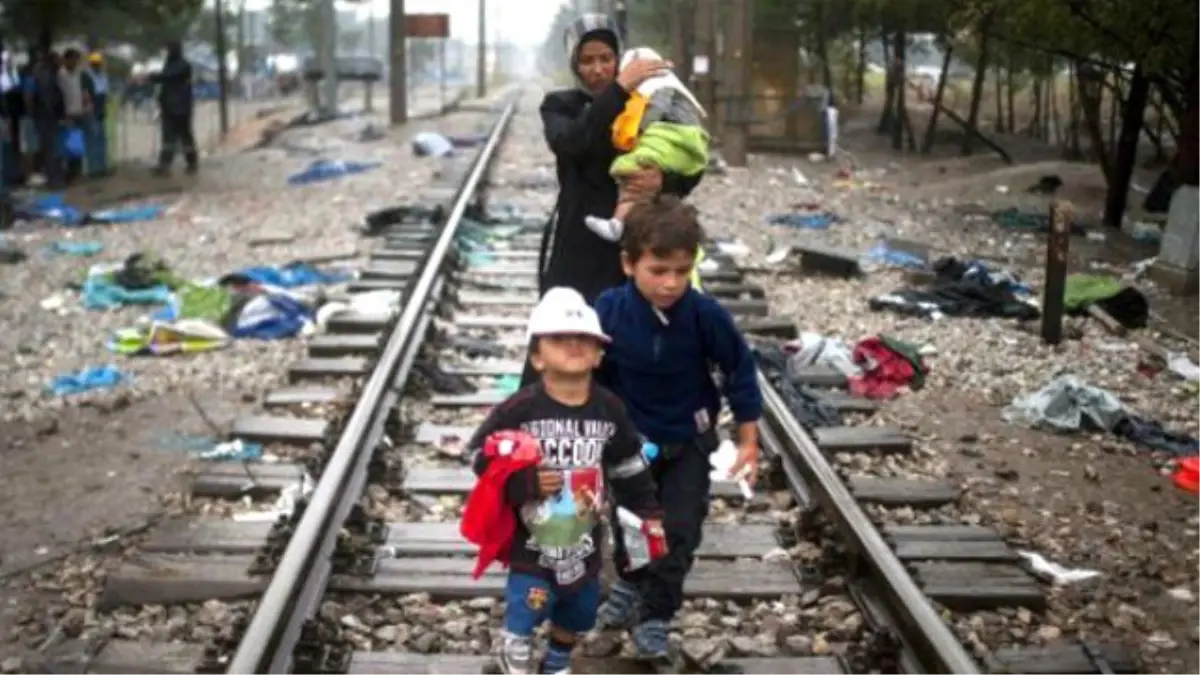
{"points": [[292, 275], [809, 409], [1124, 303], [818, 220], [431, 144], [883, 254], [968, 289], [142, 279], [53, 207], [205, 316], [328, 169], [1151, 434], [1068, 404], [1015, 219], [888, 366], [814, 349], [82, 249], [87, 379]]}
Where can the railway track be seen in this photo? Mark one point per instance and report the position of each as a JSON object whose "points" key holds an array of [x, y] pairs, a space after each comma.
{"points": [[365, 572]]}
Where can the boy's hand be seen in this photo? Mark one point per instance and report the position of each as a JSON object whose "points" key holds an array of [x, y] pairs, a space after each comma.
{"points": [[549, 482], [655, 528], [746, 465]]}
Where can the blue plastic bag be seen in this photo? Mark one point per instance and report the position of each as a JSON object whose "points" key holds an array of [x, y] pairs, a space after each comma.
{"points": [[72, 141]]}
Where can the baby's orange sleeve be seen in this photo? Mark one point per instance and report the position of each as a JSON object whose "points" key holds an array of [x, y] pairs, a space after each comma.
{"points": [[625, 127]]}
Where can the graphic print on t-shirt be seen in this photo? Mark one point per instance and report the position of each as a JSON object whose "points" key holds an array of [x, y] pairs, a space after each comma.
{"points": [[561, 526]]}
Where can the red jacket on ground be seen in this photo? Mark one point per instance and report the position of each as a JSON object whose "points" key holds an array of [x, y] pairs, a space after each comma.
{"points": [[488, 520]]}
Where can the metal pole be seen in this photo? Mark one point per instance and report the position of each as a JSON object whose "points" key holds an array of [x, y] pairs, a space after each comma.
{"points": [[329, 57], [442, 71], [481, 55], [222, 71], [398, 85], [738, 74], [681, 38], [622, 17], [703, 63]]}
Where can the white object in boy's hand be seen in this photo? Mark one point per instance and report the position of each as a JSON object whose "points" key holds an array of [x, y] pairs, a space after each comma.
{"points": [[608, 229], [722, 462]]}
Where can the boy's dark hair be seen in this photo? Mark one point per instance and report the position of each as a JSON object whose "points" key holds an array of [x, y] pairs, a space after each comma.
{"points": [[661, 226]]}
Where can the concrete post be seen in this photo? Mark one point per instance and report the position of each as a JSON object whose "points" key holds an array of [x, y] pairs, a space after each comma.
{"points": [[1178, 264]]}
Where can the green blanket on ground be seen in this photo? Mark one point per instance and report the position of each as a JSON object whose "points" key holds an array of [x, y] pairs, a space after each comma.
{"points": [[673, 148]]}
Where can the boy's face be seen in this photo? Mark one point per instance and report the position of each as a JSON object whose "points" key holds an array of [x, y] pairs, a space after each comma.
{"points": [[661, 279], [570, 355]]}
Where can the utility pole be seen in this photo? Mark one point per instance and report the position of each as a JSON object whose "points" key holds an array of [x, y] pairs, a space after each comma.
{"points": [[481, 55], [369, 92], [737, 73], [622, 17], [222, 69], [703, 75], [329, 56], [398, 64], [681, 38]]}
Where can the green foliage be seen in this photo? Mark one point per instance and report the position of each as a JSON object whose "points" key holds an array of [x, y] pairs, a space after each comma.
{"points": [[285, 22]]}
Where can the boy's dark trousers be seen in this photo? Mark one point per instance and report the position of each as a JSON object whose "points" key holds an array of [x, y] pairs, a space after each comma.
{"points": [[681, 474]]}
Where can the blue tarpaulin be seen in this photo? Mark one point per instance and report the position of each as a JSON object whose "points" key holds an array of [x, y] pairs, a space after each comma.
{"points": [[328, 169]]}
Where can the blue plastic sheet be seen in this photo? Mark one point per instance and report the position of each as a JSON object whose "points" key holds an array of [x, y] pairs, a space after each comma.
{"points": [[805, 221], [88, 379], [882, 254], [51, 206], [129, 214], [82, 249], [328, 169], [291, 276]]}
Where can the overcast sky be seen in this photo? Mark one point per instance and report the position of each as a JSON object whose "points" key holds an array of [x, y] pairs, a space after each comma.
{"points": [[524, 22]]}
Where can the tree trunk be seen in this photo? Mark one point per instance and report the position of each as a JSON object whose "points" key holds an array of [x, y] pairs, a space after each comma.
{"points": [[1074, 152], [1054, 125], [1035, 125], [998, 125], [823, 49], [862, 64], [1132, 116], [931, 126], [889, 83], [1010, 82], [1116, 97], [977, 85], [901, 70], [1187, 160], [1091, 94]]}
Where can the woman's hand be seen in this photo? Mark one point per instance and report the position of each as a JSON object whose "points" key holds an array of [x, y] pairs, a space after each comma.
{"points": [[647, 180], [639, 70]]}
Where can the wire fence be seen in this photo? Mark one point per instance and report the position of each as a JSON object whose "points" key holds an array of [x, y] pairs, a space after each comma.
{"points": [[134, 134]]}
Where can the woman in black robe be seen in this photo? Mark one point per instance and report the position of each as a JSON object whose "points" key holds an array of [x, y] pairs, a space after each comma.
{"points": [[577, 123]]}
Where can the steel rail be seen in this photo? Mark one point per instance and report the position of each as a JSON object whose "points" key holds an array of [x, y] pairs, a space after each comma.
{"points": [[269, 640], [933, 644]]}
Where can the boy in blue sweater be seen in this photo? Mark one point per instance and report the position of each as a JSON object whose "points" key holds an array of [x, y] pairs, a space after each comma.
{"points": [[666, 338]]}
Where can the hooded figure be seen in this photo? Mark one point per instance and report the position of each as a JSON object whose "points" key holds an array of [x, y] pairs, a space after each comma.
{"points": [[578, 127]]}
